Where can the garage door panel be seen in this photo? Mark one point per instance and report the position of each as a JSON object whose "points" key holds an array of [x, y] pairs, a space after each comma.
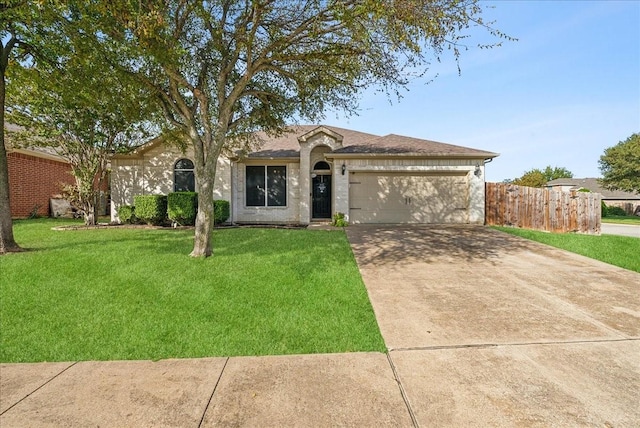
{"points": [[404, 198]]}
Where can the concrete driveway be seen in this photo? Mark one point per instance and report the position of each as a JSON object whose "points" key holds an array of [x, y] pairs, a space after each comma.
{"points": [[487, 329]]}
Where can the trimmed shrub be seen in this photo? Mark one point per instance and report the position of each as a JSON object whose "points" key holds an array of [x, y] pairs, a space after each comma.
{"points": [[616, 211], [182, 207], [127, 214], [338, 220], [220, 211], [151, 209], [604, 210]]}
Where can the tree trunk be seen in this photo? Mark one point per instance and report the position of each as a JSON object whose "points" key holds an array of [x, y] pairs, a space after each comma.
{"points": [[204, 219], [7, 242], [90, 214], [205, 170]]}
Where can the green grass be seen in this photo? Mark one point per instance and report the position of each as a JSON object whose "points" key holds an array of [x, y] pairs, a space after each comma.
{"points": [[135, 294], [622, 251], [619, 219]]}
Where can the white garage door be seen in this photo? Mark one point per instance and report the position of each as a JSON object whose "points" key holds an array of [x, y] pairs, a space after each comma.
{"points": [[408, 198]]}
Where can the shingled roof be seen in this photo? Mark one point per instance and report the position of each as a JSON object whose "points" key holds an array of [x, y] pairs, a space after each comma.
{"points": [[355, 142], [11, 146], [594, 186]]}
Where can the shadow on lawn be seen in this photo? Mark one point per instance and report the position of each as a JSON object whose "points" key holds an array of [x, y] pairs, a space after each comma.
{"points": [[433, 243], [227, 242], [167, 241], [270, 242]]}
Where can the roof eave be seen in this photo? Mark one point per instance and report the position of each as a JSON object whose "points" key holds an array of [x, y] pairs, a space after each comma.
{"points": [[487, 155], [38, 154], [269, 158]]}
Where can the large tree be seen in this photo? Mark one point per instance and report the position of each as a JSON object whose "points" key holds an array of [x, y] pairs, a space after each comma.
{"points": [[620, 165], [7, 241], [83, 109], [539, 178], [225, 69], [21, 35]]}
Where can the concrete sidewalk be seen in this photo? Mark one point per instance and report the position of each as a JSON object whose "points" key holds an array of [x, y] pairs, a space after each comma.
{"points": [[356, 389]]}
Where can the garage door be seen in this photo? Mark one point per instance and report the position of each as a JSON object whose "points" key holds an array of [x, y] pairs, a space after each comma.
{"points": [[408, 198]]}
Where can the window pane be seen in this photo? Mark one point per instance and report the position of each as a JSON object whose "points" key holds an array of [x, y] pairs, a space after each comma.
{"points": [[277, 186], [184, 181], [184, 164], [255, 186], [321, 166]]}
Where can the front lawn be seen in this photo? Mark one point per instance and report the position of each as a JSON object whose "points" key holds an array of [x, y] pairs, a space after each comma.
{"points": [[620, 251], [622, 219], [135, 294]]}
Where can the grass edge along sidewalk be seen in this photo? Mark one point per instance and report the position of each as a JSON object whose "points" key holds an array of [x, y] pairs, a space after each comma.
{"points": [[621, 251], [618, 219], [136, 294]]}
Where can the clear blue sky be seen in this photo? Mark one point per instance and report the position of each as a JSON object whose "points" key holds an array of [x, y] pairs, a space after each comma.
{"points": [[568, 89]]}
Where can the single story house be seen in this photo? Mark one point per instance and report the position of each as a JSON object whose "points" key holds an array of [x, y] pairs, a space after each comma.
{"points": [[628, 201], [316, 171], [36, 175]]}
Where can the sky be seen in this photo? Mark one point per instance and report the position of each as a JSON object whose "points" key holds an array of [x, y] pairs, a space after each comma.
{"points": [[564, 92]]}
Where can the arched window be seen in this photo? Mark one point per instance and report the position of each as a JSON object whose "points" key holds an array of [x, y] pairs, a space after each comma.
{"points": [[183, 178], [321, 166]]}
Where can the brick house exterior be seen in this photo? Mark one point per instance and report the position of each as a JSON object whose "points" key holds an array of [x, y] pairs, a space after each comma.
{"points": [[34, 178]]}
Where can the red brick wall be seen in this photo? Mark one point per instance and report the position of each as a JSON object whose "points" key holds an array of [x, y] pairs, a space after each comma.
{"points": [[33, 181]]}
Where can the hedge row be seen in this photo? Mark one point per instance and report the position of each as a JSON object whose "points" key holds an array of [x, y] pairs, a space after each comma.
{"points": [[178, 207], [151, 209], [615, 211], [182, 207]]}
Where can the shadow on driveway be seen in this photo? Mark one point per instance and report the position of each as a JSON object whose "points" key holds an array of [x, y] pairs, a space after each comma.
{"points": [[430, 243]]}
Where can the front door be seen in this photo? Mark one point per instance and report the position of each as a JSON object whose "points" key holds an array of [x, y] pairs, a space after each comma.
{"points": [[321, 206]]}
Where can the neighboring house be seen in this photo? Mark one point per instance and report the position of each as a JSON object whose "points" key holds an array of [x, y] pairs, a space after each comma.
{"points": [[35, 176], [317, 171], [628, 201]]}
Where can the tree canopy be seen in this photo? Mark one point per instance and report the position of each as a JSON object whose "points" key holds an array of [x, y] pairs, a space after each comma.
{"points": [[22, 37], [539, 178], [221, 70], [620, 165], [76, 103]]}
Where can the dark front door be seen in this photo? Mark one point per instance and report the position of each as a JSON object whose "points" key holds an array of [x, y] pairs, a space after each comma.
{"points": [[321, 196]]}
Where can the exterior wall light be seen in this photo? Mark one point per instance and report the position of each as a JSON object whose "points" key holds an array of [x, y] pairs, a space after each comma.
{"points": [[344, 168], [478, 171]]}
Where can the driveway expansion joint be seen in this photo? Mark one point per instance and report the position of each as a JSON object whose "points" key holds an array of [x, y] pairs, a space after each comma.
{"points": [[38, 388], [405, 398], [215, 387], [496, 345]]}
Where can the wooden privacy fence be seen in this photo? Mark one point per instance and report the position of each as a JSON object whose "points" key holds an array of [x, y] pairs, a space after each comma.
{"points": [[542, 209]]}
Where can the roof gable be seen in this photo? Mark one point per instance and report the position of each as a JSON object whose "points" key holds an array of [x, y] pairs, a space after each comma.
{"points": [[320, 130]]}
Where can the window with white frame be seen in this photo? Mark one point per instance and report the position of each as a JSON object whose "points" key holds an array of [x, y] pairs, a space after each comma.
{"points": [[266, 186]]}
